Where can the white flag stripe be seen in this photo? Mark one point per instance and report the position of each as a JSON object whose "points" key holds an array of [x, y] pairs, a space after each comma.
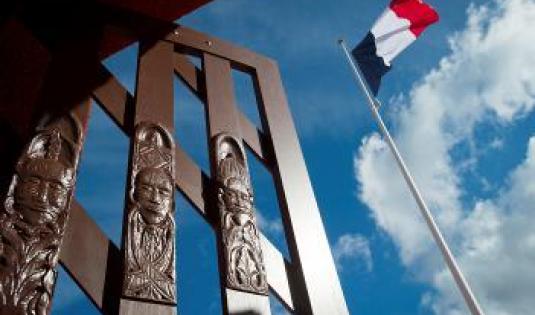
{"points": [[388, 48], [392, 35], [389, 22]]}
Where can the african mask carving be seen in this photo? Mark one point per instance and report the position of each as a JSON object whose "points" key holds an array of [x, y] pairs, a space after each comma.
{"points": [[33, 221], [150, 240], [243, 261]]}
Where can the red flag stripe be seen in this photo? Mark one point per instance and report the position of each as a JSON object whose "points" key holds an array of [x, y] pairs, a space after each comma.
{"points": [[418, 13]]}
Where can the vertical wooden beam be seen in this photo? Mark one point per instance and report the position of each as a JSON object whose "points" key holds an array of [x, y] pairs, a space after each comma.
{"points": [[244, 291], [320, 291], [149, 229]]}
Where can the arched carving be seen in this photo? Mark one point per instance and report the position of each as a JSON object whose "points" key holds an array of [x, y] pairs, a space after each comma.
{"points": [[242, 254], [35, 213], [149, 272]]}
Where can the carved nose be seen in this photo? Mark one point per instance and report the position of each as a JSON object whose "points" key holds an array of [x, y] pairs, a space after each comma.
{"points": [[42, 193], [155, 196]]}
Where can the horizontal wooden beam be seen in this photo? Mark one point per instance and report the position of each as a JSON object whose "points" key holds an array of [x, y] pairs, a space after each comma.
{"points": [[241, 58]]}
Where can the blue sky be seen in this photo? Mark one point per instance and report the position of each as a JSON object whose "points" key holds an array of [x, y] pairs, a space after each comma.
{"points": [[460, 103]]}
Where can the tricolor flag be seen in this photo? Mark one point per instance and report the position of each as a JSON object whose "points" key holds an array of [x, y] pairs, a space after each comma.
{"points": [[401, 23]]}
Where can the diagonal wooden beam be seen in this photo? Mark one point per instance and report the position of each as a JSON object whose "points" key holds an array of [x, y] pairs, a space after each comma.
{"points": [[91, 259]]}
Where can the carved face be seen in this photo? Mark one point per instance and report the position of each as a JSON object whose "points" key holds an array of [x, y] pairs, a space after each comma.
{"points": [[153, 192], [42, 191], [236, 196]]}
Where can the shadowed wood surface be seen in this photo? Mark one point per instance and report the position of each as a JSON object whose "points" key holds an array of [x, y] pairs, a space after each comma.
{"points": [[153, 109], [308, 284]]}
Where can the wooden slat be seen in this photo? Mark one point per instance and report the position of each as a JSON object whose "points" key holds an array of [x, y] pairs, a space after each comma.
{"points": [[153, 104], [190, 180], [223, 119], [308, 243], [91, 259], [317, 287], [189, 73], [154, 91]]}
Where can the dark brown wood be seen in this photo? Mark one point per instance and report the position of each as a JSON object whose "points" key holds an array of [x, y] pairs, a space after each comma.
{"points": [[105, 28], [242, 266], [302, 286], [149, 230], [36, 211], [316, 280], [149, 246], [191, 181], [92, 260], [154, 92], [190, 74], [308, 243]]}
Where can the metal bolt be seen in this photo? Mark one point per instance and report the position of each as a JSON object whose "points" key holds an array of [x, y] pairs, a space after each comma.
{"points": [[209, 43], [176, 32]]}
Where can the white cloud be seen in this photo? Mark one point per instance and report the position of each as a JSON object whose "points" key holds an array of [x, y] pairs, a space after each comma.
{"points": [[497, 143], [488, 78], [353, 248], [272, 226]]}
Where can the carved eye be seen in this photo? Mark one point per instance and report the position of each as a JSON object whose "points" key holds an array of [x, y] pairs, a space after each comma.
{"points": [[145, 188], [31, 181], [32, 185], [165, 192], [56, 187], [233, 195]]}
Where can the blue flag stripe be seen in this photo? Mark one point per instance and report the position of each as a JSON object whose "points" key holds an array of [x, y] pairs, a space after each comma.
{"points": [[372, 66]]}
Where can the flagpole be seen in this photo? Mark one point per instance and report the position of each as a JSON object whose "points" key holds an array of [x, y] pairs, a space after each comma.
{"points": [[461, 282]]}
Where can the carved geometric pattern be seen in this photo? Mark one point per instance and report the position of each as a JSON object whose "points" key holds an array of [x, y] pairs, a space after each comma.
{"points": [[33, 221], [149, 272], [242, 254]]}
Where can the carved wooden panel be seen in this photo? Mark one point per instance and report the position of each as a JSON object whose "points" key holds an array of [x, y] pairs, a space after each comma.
{"points": [[150, 237], [35, 214], [242, 254]]}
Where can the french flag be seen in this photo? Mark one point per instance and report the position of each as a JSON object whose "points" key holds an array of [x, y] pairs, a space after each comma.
{"points": [[400, 24]]}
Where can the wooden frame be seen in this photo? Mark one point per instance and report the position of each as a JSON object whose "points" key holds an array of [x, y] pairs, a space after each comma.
{"points": [[305, 284]]}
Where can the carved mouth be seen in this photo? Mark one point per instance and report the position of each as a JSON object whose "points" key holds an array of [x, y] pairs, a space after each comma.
{"points": [[156, 208], [42, 208], [242, 207]]}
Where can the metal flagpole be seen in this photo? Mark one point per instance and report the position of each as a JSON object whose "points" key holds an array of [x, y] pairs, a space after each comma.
{"points": [[463, 286]]}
